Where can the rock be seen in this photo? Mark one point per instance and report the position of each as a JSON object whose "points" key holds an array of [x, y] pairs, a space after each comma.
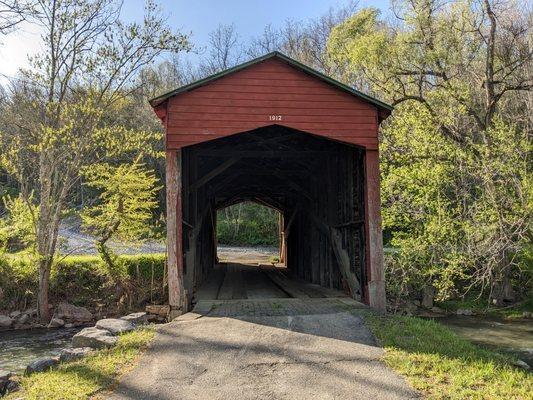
{"points": [[527, 314], [139, 318], [94, 338], [24, 318], [56, 323], [5, 321], [438, 310], [114, 325], [15, 314], [4, 380], [71, 313], [40, 365], [161, 310], [74, 354], [464, 311], [152, 317], [12, 386], [521, 364], [69, 325], [32, 312]]}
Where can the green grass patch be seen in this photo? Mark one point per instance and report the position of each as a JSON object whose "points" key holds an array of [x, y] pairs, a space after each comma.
{"points": [[89, 376], [443, 365]]}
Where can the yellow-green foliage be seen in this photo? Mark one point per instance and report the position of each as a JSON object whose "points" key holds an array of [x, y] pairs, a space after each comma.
{"points": [[442, 365], [19, 223], [457, 199], [127, 199], [89, 376]]}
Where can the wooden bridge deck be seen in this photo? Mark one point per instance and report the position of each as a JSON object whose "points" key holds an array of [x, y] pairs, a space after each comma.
{"points": [[236, 281]]}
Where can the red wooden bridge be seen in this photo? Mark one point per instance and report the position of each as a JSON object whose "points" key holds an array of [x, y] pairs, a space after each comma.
{"points": [[278, 133]]}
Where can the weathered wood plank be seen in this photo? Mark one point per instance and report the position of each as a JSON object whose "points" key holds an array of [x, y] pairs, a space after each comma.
{"points": [[374, 242], [174, 231]]}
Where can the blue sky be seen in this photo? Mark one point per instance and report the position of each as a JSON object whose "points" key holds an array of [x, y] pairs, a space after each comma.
{"points": [[250, 16], [201, 17], [198, 17]]}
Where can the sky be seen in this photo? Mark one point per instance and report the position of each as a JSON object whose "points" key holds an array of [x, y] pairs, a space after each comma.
{"points": [[195, 17]]}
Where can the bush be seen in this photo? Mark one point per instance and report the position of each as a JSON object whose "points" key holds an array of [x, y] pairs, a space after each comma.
{"points": [[81, 280]]}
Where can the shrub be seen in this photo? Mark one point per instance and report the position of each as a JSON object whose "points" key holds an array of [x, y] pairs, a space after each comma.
{"points": [[81, 280]]}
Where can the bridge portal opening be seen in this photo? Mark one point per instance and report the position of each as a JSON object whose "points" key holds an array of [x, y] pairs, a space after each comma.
{"points": [[315, 183], [248, 232]]}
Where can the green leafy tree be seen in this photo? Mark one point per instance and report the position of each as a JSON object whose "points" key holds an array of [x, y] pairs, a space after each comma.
{"points": [[57, 121], [457, 196], [123, 210]]}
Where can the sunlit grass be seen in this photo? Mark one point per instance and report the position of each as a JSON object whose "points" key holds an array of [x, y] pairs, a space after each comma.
{"points": [[443, 365], [89, 376]]}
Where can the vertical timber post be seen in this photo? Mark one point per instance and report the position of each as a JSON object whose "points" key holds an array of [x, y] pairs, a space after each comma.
{"points": [[174, 234], [375, 293]]}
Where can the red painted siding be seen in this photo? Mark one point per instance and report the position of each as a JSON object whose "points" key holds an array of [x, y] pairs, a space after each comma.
{"points": [[246, 99]]}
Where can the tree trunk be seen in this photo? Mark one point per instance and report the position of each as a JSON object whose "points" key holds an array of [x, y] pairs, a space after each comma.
{"points": [[502, 289], [44, 283]]}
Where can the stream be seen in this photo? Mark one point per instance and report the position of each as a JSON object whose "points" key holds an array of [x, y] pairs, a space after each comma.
{"points": [[512, 336], [18, 348]]}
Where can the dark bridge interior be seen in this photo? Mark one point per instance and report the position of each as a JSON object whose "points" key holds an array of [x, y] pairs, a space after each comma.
{"points": [[316, 183]]}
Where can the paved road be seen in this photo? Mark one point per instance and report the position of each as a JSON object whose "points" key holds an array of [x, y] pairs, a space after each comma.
{"points": [[264, 349]]}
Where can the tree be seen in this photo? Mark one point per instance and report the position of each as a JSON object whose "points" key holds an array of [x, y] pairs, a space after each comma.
{"points": [[456, 150], [224, 50], [58, 114], [127, 198], [304, 41], [13, 12]]}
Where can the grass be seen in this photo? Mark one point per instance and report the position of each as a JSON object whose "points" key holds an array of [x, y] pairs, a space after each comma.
{"points": [[442, 365], [87, 377]]}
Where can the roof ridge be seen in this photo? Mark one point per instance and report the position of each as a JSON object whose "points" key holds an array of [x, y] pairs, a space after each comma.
{"points": [[193, 85]]}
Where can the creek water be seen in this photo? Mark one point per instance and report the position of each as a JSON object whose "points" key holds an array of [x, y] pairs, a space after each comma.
{"points": [[513, 336], [18, 348]]}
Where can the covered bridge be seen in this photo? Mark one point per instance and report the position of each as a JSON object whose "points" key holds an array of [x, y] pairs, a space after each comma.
{"points": [[279, 133]]}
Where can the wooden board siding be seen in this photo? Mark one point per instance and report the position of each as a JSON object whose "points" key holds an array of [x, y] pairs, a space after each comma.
{"points": [[246, 100]]}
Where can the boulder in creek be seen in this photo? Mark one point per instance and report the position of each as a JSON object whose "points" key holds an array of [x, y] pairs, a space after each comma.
{"points": [[94, 338], [4, 380], [23, 319], [56, 323], [464, 311], [115, 326], [42, 364], [74, 354], [138, 318], [70, 312], [5, 321], [11, 386], [521, 364]]}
